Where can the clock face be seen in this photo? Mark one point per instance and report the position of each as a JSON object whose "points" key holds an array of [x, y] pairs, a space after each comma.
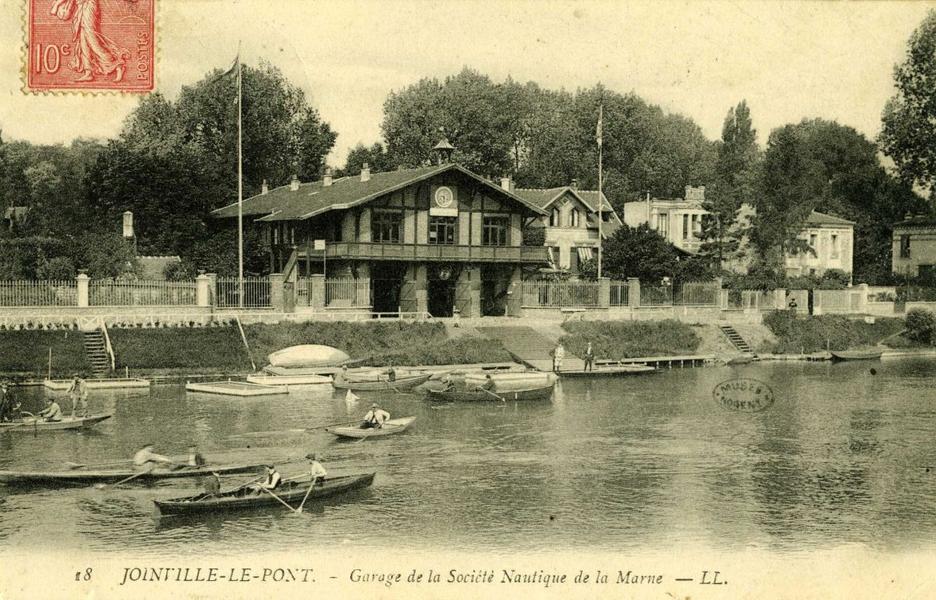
{"points": [[444, 197]]}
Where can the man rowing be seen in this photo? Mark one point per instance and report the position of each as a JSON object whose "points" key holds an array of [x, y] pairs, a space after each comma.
{"points": [[317, 471], [147, 460], [195, 458], [52, 412], [270, 482], [375, 417]]}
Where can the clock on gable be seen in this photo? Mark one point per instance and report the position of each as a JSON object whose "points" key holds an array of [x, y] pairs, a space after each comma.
{"points": [[444, 196], [443, 202]]}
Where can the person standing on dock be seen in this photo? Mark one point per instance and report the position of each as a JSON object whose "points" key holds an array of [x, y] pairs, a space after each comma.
{"points": [[558, 355], [78, 392], [589, 358]]}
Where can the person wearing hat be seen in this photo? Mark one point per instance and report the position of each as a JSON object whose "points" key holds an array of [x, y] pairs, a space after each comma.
{"points": [[271, 482], [6, 402], [317, 471], [52, 412], [375, 417], [78, 392]]}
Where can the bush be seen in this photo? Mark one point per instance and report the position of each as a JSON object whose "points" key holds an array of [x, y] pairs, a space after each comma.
{"points": [[627, 339], [28, 351], [832, 332], [179, 348], [921, 326]]}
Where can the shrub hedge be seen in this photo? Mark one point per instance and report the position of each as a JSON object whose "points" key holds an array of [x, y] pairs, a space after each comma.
{"points": [[179, 348], [921, 326], [28, 352], [630, 339], [832, 332]]}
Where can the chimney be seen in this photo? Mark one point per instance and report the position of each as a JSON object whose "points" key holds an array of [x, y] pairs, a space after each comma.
{"points": [[265, 187], [365, 172], [574, 184], [294, 184], [128, 224], [327, 179], [506, 183]]}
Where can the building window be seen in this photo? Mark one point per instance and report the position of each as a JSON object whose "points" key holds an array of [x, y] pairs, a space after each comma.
{"points": [[662, 225], [494, 231], [576, 218], [697, 226], [555, 218], [685, 227], [814, 242], [442, 230], [835, 246], [387, 226], [905, 246]]}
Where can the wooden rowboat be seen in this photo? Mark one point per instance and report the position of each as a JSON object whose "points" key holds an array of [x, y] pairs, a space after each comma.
{"points": [[383, 384], [59, 478], [355, 431], [477, 395], [857, 354], [38, 424], [307, 355], [290, 492]]}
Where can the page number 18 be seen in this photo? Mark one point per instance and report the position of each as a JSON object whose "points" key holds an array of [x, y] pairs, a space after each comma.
{"points": [[83, 575]]}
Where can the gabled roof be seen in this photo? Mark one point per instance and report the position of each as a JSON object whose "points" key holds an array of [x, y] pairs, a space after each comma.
{"points": [[818, 218], [312, 199], [917, 221], [544, 197]]}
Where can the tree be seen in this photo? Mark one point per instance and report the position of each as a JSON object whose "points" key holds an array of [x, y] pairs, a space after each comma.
{"points": [[908, 134], [733, 184], [375, 156], [638, 252], [789, 189]]}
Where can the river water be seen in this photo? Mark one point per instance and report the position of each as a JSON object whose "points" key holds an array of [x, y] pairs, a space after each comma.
{"points": [[846, 455]]}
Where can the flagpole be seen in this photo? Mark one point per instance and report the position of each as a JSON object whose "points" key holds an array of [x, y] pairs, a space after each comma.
{"points": [[240, 190], [600, 115]]}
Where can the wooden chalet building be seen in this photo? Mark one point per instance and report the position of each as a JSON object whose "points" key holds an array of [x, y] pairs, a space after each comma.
{"points": [[431, 239]]}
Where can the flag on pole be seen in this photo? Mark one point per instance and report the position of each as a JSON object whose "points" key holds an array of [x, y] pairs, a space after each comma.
{"points": [[598, 129]]}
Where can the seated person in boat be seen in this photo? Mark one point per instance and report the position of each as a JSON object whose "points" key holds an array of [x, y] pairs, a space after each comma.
{"points": [[146, 460], [52, 412], [212, 484], [391, 374], [270, 482], [317, 472], [375, 417], [195, 458]]}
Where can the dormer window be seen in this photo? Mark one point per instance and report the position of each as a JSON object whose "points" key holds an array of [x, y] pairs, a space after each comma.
{"points": [[555, 218], [575, 218]]}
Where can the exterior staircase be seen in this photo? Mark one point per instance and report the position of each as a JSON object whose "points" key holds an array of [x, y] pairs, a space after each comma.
{"points": [[736, 340], [96, 352]]}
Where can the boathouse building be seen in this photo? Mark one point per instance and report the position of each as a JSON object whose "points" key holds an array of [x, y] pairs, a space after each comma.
{"points": [[431, 239]]}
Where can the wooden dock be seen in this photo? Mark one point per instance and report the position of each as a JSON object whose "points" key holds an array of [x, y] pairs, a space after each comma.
{"points": [[62, 385], [661, 362]]}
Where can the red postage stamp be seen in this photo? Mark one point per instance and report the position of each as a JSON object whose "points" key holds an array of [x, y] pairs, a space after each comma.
{"points": [[91, 45]]}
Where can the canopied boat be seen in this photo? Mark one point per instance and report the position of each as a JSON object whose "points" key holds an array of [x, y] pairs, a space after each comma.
{"points": [[87, 477], [354, 430], [290, 492], [34, 424]]}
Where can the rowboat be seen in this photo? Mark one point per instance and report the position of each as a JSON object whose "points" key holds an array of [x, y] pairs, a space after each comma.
{"points": [[382, 383], [307, 355], [480, 395], [39, 424], [56, 478], [857, 355], [741, 359], [355, 431], [289, 379], [290, 492]]}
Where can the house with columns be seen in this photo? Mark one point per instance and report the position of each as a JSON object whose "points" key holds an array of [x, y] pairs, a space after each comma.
{"points": [[432, 239]]}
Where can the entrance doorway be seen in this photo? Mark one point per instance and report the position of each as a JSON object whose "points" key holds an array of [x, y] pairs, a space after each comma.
{"points": [[440, 290], [495, 281], [386, 286]]}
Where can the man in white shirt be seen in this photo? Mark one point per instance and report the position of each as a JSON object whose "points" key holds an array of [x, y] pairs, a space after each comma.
{"points": [[146, 460], [375, 417], [317, 471], [52, 412]]}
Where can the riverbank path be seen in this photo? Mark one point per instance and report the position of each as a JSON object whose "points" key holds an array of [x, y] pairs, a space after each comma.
{"points": [[531, 347]]}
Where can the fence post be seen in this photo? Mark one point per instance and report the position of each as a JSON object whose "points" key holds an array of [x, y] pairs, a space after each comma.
{"points": [[212, 288], [202, 293], [817, 302], [317, 292], [604, 292], [633, 292], [82, 281], [863, 298], [277, 301]]}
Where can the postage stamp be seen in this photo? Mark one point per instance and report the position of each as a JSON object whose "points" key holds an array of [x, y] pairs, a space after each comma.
{"points": [[90, 45]]}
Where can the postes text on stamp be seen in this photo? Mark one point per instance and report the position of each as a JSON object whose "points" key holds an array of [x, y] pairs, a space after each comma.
{"points": [[743, 394], [90, 45]]}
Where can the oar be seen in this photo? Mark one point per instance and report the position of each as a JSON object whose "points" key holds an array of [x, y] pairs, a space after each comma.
{"points": [[327, 426], [270, 492], [486, 391], [74, 465], [102, 486], [306, 497], [366, 435]]}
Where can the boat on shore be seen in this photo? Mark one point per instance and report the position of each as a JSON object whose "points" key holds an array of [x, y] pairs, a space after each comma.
{"points": [[87, 477], [36, 424], [840, 355], [290, 492], [354, 430], [485, 395], [381, 382], [307, 355]]}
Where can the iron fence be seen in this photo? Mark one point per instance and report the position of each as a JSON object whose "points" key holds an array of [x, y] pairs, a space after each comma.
{"points": [[38, 293], [620, 292], [558, 294], [256, 292], [141, 293]]}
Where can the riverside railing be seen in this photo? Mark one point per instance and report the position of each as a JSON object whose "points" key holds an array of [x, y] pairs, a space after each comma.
{"points": [[559, 294], [38, 293], [703, 293], [256, 292], [134, 292]]}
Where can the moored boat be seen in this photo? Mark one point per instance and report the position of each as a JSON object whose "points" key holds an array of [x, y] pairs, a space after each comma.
{"points": [[483, 395], [32, 425], [856, 354], [307, 355], [356, 431], [290, 492], [382, 383], [86, 477]]}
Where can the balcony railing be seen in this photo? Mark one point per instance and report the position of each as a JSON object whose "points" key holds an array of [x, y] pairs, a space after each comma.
{"points": [[376, 250]]}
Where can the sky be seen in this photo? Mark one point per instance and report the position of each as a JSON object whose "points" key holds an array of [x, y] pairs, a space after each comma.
{"points": [[789, 60]]}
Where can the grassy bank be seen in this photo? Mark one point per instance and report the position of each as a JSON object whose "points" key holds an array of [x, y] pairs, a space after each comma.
{"points": [[27, 353], [193, 349], [630, 339], [832, 332], [378, 343]]}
